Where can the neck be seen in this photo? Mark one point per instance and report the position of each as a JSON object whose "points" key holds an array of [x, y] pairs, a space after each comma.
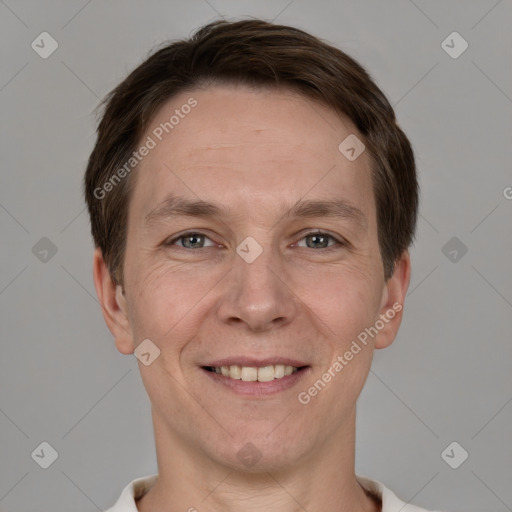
{"points": [[324, 480]]}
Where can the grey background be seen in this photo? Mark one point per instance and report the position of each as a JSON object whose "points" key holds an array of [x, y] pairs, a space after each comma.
{"points": [[447, 376]]}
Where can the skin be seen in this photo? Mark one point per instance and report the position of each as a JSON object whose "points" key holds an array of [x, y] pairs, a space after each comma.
{"points": [[255, 152]]}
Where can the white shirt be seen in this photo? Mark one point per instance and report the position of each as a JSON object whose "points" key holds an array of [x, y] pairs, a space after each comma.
{"points": [[138, 487]]}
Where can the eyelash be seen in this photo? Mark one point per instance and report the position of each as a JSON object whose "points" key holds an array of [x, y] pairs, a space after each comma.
{"points": [[322, 233]]}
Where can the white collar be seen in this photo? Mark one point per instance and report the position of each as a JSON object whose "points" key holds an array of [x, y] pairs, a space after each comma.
{"points": [[140, 486]]}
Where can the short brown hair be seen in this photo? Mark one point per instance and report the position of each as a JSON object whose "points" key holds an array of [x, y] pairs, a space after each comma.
{"points": [[256, 53]]}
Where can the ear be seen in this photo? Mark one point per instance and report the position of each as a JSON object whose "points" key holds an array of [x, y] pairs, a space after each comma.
{"points": [[113, 305], [393, 297]]}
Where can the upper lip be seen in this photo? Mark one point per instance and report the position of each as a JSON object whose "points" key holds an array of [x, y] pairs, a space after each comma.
{"points": [[253, 362]]}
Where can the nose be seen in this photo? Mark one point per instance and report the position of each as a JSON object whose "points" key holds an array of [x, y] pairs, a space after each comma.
{"points": [[257, 294]]}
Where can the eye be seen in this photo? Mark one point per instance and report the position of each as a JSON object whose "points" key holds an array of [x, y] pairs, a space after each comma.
{"points": [[319, 239], [196, 240], [191, 240]]}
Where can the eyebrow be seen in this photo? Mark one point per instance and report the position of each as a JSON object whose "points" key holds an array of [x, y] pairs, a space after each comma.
{"points": [[177, 206]]}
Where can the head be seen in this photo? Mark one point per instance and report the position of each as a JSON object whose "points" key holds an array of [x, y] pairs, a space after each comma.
{"points": [[236, 137]]}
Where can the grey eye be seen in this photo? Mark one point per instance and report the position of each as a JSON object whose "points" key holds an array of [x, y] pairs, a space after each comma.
{"points": [[317, 240], [191, 241]]}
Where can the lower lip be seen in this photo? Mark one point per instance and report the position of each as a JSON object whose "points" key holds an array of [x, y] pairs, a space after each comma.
{"points": [[259, 389]]}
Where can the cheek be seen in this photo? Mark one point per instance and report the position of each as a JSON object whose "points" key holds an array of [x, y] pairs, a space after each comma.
{"points": [[349, 303], [163, 298], [345, 298]]}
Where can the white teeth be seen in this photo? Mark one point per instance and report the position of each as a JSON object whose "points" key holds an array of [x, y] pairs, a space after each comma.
{"points": [[266, 373], [249, 374], [253, 374], [235, 372], [279, 370]]}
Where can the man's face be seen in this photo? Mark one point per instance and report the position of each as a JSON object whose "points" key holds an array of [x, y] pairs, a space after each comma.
{"points": [[211, 298]]}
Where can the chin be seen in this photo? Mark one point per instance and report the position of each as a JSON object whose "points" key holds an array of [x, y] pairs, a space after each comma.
{"points": [[259, 453]]}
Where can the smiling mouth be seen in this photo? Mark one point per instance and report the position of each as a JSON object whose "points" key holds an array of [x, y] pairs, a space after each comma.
{"points": [[255, 374]]}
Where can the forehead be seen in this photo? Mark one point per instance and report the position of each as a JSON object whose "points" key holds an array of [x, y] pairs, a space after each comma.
{"points": [[243, 145]]}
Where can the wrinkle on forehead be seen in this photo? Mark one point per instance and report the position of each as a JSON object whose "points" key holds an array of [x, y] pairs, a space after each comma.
{"points": [[241, 143]]}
